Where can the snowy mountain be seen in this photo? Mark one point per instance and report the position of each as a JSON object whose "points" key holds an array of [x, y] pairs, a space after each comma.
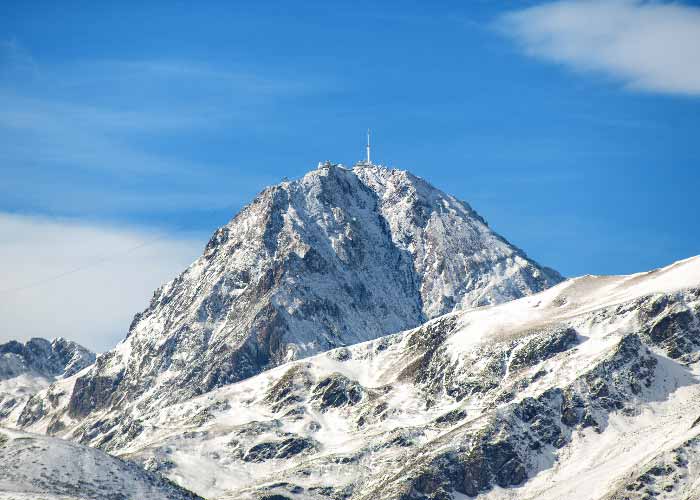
{"points": [[588, 390], [27, 368], [38, 467], [337, 257]]}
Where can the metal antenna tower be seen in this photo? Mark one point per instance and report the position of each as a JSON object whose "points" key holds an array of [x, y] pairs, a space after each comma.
{"points": [[369, 162]]}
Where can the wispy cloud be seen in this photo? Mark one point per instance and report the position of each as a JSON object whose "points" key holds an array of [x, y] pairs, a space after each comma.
{"points": [[205, 74], [125, 129], [647, 45], [81, 281]]}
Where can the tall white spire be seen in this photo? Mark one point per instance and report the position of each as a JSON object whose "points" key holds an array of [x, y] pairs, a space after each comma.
{"points": [[369, 162]]}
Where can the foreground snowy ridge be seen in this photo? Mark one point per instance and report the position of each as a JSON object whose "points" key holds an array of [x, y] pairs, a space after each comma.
{"points": [[337, 257], [36, 467], [587, 390]]}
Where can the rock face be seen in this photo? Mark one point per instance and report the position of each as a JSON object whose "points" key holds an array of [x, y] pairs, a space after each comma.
{"points": [[594, 381], [671, 474], [58, 358], [34, 466], [27, 368], [337, 257]]}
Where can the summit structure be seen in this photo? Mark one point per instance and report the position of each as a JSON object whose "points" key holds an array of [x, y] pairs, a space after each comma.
{"points": [[369, 160]]}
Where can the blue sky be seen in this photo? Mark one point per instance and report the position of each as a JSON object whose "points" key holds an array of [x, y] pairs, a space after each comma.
{"points": [[572, 127]]}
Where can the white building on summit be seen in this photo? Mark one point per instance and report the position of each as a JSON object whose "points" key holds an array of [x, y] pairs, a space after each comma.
{"points": [[367, 162]]}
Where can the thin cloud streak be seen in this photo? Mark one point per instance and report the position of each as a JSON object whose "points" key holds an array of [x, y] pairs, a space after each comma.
{"points": [[81, 281], [648, 46]]}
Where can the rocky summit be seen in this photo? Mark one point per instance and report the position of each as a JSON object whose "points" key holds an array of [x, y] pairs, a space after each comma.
{"points": [[337, 257]]}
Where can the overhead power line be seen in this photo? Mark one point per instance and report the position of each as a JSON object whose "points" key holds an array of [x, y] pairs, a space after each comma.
{"points": [[95, 263]]}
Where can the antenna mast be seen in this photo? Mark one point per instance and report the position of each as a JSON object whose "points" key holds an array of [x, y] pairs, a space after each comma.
{"points": [[369, 162]]}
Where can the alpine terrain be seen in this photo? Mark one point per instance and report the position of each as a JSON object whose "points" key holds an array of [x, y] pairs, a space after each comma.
{"points": [[360, 335], [337, 257], [588, 390]]}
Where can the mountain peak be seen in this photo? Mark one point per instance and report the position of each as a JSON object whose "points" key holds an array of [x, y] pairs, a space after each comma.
{"points": [[336, 257]]}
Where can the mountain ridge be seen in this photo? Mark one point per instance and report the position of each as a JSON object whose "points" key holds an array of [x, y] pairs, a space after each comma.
{"points": [[499, 402]]}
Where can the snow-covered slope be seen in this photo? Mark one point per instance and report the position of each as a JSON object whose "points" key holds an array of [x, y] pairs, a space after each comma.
{"points": [[27, 368], [337, 257], [34, 467], [588, 390]]}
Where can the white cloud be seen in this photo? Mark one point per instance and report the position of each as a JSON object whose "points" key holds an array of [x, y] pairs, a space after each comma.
{"points": [[42, 295], [648, 45]]}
